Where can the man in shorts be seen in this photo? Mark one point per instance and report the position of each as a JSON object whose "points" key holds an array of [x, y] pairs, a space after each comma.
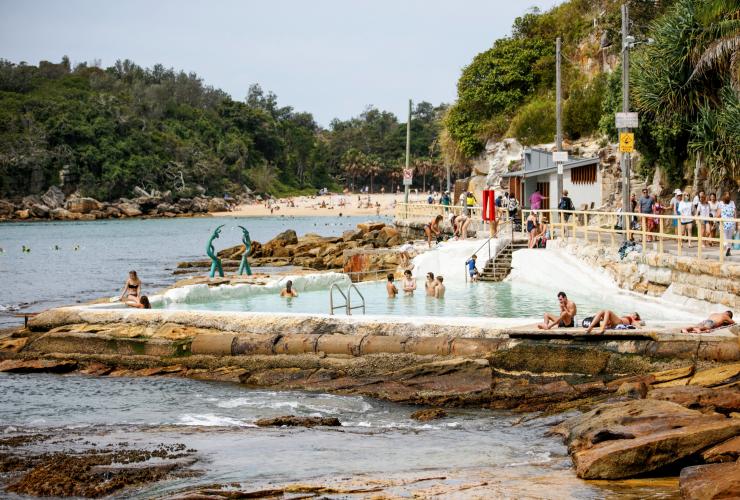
{"points": [[567, 317]]}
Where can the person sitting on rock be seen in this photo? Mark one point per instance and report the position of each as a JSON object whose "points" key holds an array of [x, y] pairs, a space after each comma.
{"points": [[288, 291], [439, 288], [139, 302], [567, 317], [610, 319], [132, 287], [715, 320], [391, 288], [409, 283]]}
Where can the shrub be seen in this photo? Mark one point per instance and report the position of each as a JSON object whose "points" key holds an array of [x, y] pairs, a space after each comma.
{"points": [[535, 122]]}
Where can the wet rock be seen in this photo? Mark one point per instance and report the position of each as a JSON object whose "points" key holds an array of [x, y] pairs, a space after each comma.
{"points": [[729, 451], [692, 396], [429, 414], [37, 366], [53, 198], [625, 439], [293, 421], [710, 481]]}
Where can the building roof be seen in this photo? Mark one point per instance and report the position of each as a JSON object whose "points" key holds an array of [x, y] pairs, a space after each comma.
{"points": [[539, 162]]}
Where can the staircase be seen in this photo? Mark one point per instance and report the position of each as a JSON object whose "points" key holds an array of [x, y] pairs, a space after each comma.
{"points": [[499, 266]]}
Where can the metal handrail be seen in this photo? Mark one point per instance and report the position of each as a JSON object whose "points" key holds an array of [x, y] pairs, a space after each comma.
{"points": [[349, 299], [332, 307]]}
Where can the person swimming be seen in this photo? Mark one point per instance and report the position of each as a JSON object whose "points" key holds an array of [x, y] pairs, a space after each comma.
{"points": [[132, 287], [288, 291], [439, 288], [390, 287], [139, 302], [409, 283], [567, 317], [715, 320], [610, 319]]}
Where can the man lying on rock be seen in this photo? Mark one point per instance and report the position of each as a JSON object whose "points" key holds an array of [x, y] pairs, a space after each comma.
{"points": [[715, 320]]}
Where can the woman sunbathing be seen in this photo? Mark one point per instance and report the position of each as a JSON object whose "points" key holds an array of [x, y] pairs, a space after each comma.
{"points": [[609, 319]]}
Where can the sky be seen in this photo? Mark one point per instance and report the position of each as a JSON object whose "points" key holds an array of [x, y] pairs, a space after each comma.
{"points": [[332, 58]]}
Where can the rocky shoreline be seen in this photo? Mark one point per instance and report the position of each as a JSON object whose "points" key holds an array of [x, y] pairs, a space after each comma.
{"points": [[55, 205]]}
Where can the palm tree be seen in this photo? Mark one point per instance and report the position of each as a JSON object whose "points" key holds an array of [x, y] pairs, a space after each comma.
{"points": [[353, 163], [718, 44]]}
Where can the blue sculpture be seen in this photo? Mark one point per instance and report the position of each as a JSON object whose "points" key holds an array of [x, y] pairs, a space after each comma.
{"points": [[244, 265], [215, 261]]}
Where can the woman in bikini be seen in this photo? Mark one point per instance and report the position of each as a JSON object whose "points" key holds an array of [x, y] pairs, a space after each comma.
{"points": [[432, 229], [609, 319], [132, 288], [139, 302]]}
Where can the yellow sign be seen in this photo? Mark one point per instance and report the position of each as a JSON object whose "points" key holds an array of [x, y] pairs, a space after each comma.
{"points": [[626, 142]]}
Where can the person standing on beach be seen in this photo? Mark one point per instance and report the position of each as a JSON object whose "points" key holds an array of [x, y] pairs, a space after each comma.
{"points": [[391, 288], [567, 317]]}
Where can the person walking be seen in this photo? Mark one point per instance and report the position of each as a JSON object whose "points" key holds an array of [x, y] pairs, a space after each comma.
{"points": [[685, 209], [646, 204], [726, 210], [535, 200]]}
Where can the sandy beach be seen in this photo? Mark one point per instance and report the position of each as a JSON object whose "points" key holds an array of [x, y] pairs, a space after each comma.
{"points": [[331, 205]]}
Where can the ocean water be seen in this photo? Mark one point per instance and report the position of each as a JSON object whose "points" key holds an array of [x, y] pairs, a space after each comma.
{"points": [[72, 262], [377, 440]]}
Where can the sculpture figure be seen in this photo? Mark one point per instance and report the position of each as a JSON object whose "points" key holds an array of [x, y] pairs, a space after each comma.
{"points": [[244, 264], [215, 261]]}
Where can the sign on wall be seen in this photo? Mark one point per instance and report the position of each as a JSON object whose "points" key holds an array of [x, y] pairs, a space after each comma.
{"points": [[408, 176]]}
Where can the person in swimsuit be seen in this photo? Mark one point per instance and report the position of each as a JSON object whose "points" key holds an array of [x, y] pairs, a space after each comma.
{"points": [[439, 288], [288, 291], [715, 320], [610, 319], [409, 283], [430, 284], [532, 228], [132, 287], [432, 229], [462, 222], [139, 302], [567, 317], [391, 288]]}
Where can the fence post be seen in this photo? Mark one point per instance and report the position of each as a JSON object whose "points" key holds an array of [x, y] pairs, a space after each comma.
{"points": [[660, 238], [720, 226], [699, 236]]}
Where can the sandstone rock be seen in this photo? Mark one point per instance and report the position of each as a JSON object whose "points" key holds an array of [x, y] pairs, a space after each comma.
{"points": [[625, 439], [669, 375], [39, 211], [280, 241], [60, 214], [729, 451], [637, 390], [23, 214], [37, 366], [710, 481], [199, 205], [53, 198], [367, 227], [13, 344], [96, 369], [293, 421], [428, 414], [693, 396], [82, 205], [6, 208], [130, 209], [217, 205], [30, 200], [498, 158], [352, 235], [717, 376]]}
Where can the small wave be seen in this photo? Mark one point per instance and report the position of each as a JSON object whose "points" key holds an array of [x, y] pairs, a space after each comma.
{"points": [[539, 459], [211, 420]]}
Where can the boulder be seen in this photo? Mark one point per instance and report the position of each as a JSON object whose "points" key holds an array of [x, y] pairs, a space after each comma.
{"points": [[720, 375], [217, 205], [293, 421], [352, 235], [6, 208], [148, 203], [282, 240], [625, 439], [163, 208], [184, 204], [23, 214], [39, 211], [729, 451], [37, 366], [429, 414], [367, 227], [82, 205], [199, 205], [636, 390], [30, 200], [129, 209], [710, 481], [53, 198], [693, 396]]}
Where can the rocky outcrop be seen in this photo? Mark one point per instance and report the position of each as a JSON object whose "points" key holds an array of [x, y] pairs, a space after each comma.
{"points": [[293, 421], [694, 396], [710, 481], [428, 414], [37, 366], [53, 198]]}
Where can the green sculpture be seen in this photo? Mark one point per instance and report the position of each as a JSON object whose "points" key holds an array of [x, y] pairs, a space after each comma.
{"points": [[215, 261], [244, 265]]}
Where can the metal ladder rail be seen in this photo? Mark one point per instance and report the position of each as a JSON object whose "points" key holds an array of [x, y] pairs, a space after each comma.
{"points": [[349, 299], [332, 307]]}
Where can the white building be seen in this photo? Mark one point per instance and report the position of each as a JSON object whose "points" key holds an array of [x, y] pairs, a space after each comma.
{"points": [[581, 177]]}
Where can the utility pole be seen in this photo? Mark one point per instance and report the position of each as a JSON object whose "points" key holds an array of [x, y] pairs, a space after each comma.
{"points": [[406, 187], [448, 177], [625, 159], [558, 116]]}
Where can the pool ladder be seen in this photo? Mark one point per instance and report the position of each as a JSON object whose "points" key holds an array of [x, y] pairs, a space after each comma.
{"points": [[347, 306]]}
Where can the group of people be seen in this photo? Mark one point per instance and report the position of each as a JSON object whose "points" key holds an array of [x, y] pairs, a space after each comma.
{"points": [[606, 319], [434, 285], [710, 210], [537, 230], [131, 293]]}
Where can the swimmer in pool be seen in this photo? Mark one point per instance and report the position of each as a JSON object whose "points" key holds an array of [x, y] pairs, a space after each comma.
{"points": [[439, 289], [391, 288], [288, 291], [430, 284], [409, 283], [610, 319], [567, 317], [715, 320]]}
